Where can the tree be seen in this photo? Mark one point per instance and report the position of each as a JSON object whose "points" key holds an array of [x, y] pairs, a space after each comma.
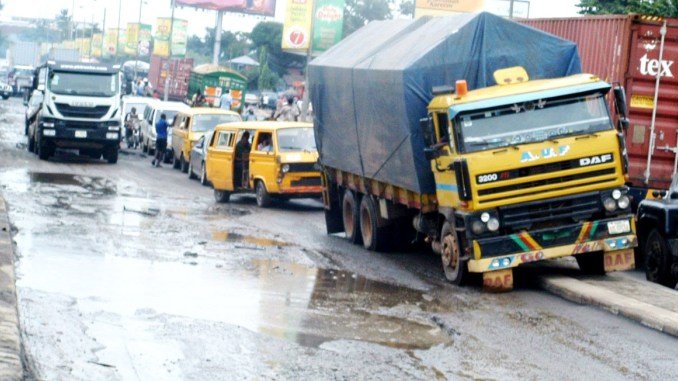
{"points": [[664, 8], [267, 79], [358, 13], [268, 34], [407, 8], [63, 23]]}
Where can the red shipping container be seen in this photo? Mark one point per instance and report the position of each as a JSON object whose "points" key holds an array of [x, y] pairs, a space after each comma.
{"points": [[178, 71], [625, 49]]}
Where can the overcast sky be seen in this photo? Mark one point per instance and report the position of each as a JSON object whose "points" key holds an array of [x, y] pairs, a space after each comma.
{"points": [[85, 10]]}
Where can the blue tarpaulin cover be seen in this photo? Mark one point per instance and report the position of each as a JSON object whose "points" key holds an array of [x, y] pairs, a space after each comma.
{"points": [[370, 90]]}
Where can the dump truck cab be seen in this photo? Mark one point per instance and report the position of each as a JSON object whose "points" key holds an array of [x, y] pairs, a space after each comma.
{"points": [[529, 170]]}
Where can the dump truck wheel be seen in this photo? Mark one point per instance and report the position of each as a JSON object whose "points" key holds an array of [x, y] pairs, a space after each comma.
{"points": [[591, 263], [456, 269], [350, 214], [375, 237], [658, 260]]}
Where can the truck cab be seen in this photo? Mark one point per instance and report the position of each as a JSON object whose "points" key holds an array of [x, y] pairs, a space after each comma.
{"points": [[80, 110], [526, 171], [658, 227]]}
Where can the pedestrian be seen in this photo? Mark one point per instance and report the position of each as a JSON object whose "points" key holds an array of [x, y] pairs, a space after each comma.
{"points": [[140, 88], [148, 88], [288, 113], [160, 140], [226, 100], [198, 99], [242, 151], [250, 116]]}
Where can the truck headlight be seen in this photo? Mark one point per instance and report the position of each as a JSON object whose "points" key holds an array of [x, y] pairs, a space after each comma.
{"points": [[477, 227], [616, 194], [609, 204], [493, 224], [285, 168], [113, 128], [111, 135], [623, 202], [48, 124], [49, 132]]}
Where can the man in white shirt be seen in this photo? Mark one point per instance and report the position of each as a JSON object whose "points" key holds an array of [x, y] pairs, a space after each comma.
{"points": [[226, 100]]}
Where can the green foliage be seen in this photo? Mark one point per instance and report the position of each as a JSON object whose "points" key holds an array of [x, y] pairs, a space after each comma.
{"points": [[664, 8], [267, 79], [359, 12], [268, 34], [407, 8], [63, 22]]}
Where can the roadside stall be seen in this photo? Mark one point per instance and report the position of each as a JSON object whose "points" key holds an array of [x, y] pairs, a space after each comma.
{"points": [[214, 80]]}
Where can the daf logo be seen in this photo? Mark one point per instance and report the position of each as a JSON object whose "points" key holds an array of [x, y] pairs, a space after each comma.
{"points": [[593, 160]]}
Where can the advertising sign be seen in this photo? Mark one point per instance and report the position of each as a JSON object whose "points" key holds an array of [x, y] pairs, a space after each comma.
{"points": [[179, 37], [297, 27], [145, 39], [162, 40], [138, 39], [445, 7], [110, 47], [254, 7], [328, 24], [97, 44], [132, 38]]}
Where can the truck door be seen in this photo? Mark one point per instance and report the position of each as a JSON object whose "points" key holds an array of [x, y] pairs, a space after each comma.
{"points": [[446, 183]]}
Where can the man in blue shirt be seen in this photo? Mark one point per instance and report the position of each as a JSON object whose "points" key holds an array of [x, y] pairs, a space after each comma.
{"points": [[160, 140]]}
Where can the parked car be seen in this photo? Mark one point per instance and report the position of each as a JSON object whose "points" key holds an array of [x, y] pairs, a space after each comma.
{"points": [[196, 166], [190, 125], [151, 117], [658, 234], [5, 90], [33, 105], [280, 165]]}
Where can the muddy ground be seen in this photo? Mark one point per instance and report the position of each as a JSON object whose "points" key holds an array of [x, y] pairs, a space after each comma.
{"points": [[128, 272]]}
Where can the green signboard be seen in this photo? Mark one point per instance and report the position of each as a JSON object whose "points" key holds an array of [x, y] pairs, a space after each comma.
{"points": [[327, 24]]}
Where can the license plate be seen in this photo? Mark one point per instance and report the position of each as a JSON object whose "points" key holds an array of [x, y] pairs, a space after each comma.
{"points": [[619, 260], [80, 134], [618, 227], [498, 281]]}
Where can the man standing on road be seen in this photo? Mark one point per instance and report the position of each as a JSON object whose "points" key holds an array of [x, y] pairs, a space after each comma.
{"points": [[242, 151], [226, 100], [160, 140]]}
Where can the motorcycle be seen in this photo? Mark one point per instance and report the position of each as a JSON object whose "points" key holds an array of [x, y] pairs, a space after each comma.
{"points": [[132, 134]]}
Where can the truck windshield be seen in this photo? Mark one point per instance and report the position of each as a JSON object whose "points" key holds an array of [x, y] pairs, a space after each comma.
{"points": [[203, 123], [84, 84], [533, 121], [296, 139]]}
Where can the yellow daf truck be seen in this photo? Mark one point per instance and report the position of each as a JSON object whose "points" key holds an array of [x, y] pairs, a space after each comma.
{"points": [[523, 171]]}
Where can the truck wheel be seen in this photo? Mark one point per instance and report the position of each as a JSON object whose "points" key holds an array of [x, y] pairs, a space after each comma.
{"points": [[31, 144], [658, 260], [591, 263], [44, 152], [183, 163], [221, 196], [263, 197], [375, 237], [350, 213], [455, 268], [111, 155], [203, 174]]}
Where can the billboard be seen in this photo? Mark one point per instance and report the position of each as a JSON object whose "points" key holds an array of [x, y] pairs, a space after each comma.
{"points": [[297, 28], [110, 42], [328, 24], [139, 37], [97, 43], [445, 7], [162, 37], [253, 7]]}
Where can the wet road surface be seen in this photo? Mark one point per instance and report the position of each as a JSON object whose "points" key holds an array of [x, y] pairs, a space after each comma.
{"points": [[131, 272]]}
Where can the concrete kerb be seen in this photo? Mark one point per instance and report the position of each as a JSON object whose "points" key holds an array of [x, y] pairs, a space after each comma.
{"points": [[583, 293], [11, 367]]}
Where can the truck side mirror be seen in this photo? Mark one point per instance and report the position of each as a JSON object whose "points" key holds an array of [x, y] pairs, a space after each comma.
{"points": [[624, 123], [428, 131], [620, 102], [431, 153]]}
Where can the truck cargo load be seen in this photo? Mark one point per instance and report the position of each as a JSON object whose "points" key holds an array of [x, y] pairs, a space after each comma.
{"points": [[370, 92], [625, 49]]}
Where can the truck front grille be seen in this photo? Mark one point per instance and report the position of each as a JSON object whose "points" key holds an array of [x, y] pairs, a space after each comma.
{"points": [[69, 111], [302, 167], [542, 213], [306, 182]]}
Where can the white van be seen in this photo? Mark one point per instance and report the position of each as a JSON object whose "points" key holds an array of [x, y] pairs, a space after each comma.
{"points": [[151, 117]]}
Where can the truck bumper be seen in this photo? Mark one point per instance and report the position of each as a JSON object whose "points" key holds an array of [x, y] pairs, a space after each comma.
{"points": [[608, 235], [68, 137]]}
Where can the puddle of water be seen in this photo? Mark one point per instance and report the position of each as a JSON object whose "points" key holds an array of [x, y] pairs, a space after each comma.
{"points": [[218, 235], [289, 301], [54, 178]]}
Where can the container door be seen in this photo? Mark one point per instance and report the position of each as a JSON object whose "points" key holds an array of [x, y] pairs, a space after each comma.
{"points": [[644, 66]]}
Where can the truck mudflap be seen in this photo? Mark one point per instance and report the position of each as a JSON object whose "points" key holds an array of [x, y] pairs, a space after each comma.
{"points": [[615, 237]]}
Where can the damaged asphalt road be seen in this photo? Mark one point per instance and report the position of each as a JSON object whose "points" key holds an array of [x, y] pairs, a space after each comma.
{"points": [[131, 272]]}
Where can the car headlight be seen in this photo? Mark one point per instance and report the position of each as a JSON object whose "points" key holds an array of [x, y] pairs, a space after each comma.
{"points": [[285, 168], [623, 202], [609, 204]]}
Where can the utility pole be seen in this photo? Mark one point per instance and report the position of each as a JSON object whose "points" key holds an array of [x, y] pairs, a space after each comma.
{"points": [[511, 9], [117, 32], [168, 79], [136, 56], [217, 38], [309, 57]]}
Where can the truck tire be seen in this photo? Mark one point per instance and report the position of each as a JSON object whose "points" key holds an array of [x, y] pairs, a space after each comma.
{"points": [[221, 196], [111, 155], [350, 212], [31, 144], [455, 268], [191, 175], [591, 263], [375, 237], [44, 151], [658, 260], [183, 163], [263, 197]]}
